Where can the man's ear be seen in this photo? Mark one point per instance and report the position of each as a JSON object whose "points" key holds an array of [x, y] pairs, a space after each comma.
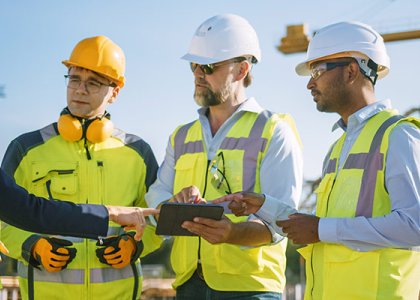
{"points": [[353, 71], [115, 92], [245, 67]]}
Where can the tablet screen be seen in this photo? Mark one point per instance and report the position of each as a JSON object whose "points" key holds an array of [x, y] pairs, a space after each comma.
{"points": [[172, 215]]}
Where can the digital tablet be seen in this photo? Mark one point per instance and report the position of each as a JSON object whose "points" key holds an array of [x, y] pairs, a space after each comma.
{"points": [[172, 215]]}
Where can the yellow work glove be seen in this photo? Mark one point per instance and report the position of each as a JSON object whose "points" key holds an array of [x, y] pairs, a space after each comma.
{"points": [[52, 253], [119, 251], [3, 249]]}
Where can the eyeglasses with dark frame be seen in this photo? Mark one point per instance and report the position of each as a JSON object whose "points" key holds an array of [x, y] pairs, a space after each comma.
{"points": [[92, 86], [218, 177], [209, 68], [321, 68]]}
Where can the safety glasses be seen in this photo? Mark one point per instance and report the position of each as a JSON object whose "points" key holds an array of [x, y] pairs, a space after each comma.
{"points": [[217, 172], [92, 86], [210, 68], [319, 69]]}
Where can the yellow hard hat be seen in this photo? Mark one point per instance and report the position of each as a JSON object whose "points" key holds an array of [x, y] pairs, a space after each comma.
{"points": [[101, 55]]}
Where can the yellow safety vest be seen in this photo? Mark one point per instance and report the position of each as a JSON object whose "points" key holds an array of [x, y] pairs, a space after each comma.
{"points": [[336, 272], [117, 172], [228, 267]]}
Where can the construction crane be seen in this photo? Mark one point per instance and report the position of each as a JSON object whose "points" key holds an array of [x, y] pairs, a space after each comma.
{"points": [[297, 38]]}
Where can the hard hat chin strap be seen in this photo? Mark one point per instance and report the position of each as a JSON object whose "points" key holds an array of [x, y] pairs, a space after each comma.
{"points": [[368, 68]]}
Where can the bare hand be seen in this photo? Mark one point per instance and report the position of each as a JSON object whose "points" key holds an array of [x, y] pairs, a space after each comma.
{"points": [[242, 203], [189, 194], [131, 217], [301, 228], [213, 231]]}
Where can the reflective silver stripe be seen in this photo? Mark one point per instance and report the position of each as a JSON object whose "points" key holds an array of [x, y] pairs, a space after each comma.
{"points": [[111, 274], [356, 161], [326, 164], [179, 143], [331, 166], [111, 231], [47, 132], [74, 276], [74, 240], [415, 249], [251, 145], [115, 231], [371, 162], [193, 147]]}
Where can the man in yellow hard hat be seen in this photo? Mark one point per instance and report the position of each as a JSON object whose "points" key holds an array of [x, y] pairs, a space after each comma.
{"points": [[364, 241], [233, 145], [84, 159]]}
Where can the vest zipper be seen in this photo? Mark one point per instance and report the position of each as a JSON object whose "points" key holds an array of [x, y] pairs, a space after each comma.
{"points": [[89, 157], [312, 252], [48, 186], [313, 275], [329, 194], [100, 165], [204, 193], [87, 290], [136, 279], [205, 178]]}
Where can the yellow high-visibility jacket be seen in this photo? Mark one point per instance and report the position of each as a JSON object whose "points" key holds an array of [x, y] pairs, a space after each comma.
{"points": [[117, 171], [337, 272], [228, 267]]}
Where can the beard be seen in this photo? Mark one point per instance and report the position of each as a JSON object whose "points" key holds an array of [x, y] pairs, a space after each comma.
{"points": [[334, 98], [207, 97]]}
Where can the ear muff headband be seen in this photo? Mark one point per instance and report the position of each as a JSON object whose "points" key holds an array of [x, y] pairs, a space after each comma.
{"points": [[72, 129]]}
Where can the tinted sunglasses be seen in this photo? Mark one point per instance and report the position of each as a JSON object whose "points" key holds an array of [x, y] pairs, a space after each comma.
{"points": [[209, 68], [321, 68]]}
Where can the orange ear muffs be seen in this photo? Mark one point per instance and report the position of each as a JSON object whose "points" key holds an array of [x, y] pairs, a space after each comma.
{"points": [[99, 130], [71, 128]]}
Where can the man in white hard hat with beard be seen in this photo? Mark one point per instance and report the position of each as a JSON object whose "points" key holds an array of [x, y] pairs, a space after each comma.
{"points": [[234, 145], [364, 240]]}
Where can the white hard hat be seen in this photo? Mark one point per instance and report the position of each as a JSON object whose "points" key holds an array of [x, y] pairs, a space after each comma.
{"points": [[348, 39], [223, 37]]}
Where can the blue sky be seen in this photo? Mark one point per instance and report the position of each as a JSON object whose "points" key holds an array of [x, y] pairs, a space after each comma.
{"points": [[38, 35]]}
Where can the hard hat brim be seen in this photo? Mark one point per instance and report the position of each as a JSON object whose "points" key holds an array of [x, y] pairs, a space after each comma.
{"points": [[201, 60], [69, 64], [302, 69]]}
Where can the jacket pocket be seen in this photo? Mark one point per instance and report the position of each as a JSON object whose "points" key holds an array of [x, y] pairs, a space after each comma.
{"points": [[341, 264], [184, 254], [55, 180], [231, 259], [186, 173], [322, 194]]}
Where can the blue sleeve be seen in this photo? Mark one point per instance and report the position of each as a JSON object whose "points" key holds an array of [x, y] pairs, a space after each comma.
{"points": [[36, 214]]}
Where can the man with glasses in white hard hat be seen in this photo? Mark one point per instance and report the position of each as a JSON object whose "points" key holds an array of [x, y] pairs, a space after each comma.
{"points": [[83, 159], [364, 240], [234, 145]]}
